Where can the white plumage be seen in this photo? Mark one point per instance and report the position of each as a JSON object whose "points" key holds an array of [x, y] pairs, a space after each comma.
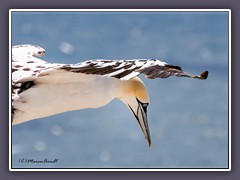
{"points": [[41, 89]]}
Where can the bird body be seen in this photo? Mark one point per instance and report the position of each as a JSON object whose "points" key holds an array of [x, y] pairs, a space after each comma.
{"points": [[41, 89], [61, 96], [55, 94]]}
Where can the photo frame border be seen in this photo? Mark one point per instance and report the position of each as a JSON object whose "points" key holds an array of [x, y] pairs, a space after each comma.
{"points": [[123, 169]]}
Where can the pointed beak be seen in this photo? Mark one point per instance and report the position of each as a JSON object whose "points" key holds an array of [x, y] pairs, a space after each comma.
{"points": [[141, 116]]}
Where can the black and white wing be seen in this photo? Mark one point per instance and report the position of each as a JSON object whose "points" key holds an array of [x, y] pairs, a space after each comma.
{"points": [[27, 68], [127, 69]]}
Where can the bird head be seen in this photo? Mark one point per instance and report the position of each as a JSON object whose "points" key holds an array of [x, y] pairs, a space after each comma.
{"points": [[136, 99]]}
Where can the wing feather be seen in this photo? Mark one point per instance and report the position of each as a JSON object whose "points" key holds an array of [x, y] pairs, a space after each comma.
{"points": [[127, 69]]}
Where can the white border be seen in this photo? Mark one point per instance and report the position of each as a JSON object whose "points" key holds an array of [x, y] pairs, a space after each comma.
{"points": [[121, 10], [229, 89]]}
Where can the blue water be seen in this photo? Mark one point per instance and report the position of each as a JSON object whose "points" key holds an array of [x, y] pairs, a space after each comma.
{"points": [[188, 118]]}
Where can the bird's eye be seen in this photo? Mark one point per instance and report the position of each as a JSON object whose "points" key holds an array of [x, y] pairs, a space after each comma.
{"points": [[145, 105]]}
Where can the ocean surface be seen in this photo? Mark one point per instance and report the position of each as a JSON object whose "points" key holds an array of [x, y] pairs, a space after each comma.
{"points": [[188, 118]]}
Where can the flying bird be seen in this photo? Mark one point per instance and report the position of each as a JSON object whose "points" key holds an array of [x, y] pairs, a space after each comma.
{"points": [[41, 89]]}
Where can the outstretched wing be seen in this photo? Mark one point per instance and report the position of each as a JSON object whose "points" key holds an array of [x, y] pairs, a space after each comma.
{"points": [[26, 68], [127, 69]]}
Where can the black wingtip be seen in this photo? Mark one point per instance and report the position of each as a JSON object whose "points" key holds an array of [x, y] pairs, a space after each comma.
{"points": [[204, 75]]}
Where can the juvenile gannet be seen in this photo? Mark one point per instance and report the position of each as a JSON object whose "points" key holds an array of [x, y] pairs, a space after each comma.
{"points": [[41, 89]]}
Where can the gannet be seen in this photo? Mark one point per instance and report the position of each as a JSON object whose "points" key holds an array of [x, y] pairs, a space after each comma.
{"points": [[41, 89]]}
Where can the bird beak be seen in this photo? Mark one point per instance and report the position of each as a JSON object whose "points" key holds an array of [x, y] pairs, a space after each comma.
{"points": [[141, 116]]}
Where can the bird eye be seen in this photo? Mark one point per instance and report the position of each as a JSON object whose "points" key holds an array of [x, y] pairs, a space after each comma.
{"points": [[145, 105]]}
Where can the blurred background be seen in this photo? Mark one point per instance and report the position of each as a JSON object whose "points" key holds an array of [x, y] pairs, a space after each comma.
{"points": [[188, 118]]}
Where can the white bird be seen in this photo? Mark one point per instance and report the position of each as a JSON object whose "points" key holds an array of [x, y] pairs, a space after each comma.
{"points": [[41, 89]]}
